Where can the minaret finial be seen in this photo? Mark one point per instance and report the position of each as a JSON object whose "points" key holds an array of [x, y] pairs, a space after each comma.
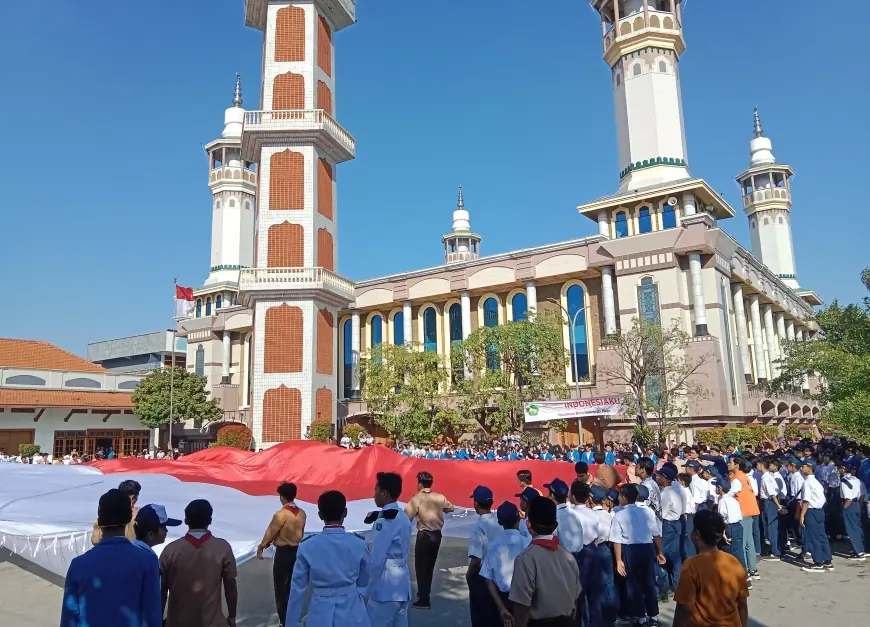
{"points": [[237, 93], [759, 132], [460, 204]]}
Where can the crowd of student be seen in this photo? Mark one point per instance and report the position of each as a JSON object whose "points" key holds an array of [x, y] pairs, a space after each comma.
{"points": [[591, 553], [510, 448], [74, 458]]}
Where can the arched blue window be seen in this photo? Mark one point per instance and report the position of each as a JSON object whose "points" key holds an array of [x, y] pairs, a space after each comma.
{"points": [[519, 305], [490, 319], [218, 302], [430, 331], [208, 306], [621, 224], [377, 325], [199, 367], [669, 217], [199, 308], [645, 220], [455, 316], [399, 328], [580, 352], [347, 358]]}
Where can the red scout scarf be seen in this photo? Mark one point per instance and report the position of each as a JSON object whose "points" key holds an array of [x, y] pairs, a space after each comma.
{"points": [[291, 507], [548, 543], [198, 542]]}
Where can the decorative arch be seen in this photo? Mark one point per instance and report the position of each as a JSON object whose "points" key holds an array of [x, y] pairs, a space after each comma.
{"points": [[815, 412], [128, 385], [625, 28], [796, 411], [638, 23], [286, 247], [568, 297], [345, 340], [324, 45], [668, 23], [644, 220], [499, 310], [374, 327], [218, 302], [782, 410], [621, 223], [767, 407], [287, 180], [290, 34], [324, 97], [282, 414], [654, 21], [325, 335], [83, 382], [284, 340], [396, 327], [323, 404], [426, 321], [288, 92], [199, 363], [325, 250], [521, 305], [325, 183], [669, 217], [618, 79], [25, 379], [807, 413], [208, 306]]}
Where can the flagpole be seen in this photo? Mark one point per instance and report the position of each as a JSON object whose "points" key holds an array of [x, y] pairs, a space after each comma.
{"points": [[172, 374]]}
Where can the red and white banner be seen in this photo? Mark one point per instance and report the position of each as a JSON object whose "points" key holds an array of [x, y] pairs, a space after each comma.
{"points": [[543, 411], [184, 301]]}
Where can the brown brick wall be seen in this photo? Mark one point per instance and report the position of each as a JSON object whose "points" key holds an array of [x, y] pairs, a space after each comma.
{"points": [[282, 350], [325, 253], [325, 334], [282, 414], [324, 97], [286, 246], [324, 46], [287, 180], [288, 92], [290, 34], [325, 183], [323, 404]]}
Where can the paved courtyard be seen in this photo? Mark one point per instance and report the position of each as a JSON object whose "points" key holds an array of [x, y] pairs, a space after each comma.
{"points": [[31, 598]]}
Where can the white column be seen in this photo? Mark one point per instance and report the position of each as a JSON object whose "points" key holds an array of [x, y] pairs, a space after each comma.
{"points": [[742, 333], [607, 297], [780, 331], [789, 330], [225, 363], [603, 224], [755, 319], [531, 300], [698, 304], [407, 328], [689, 204], [805, 383], [354, 347], [770, 337], [465, 302]]}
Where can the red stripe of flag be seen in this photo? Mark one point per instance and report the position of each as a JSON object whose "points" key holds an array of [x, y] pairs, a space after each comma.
{"points": [[183, 293]]}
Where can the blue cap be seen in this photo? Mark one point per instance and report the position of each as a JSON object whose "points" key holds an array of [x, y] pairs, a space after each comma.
{"points": [[693, 463], [613, 494], [152, 517], [642, 492], [482, 494], [725, 484], [668, 473], [599, 494], [852, 467], [530, 494], [809, 462], [507, 513], [558, 487]]}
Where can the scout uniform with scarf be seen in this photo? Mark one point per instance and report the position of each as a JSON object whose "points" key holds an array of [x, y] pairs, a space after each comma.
{"points": [[285, 532], [390, 587], [850, 492]]}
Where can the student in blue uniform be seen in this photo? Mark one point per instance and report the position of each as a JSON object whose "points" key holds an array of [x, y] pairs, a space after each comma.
{"points": [[609, 455], [498, 565], [606, 599], [483, 610], [773, 495], [850, 492], [812, 519], [588, 455], [390, 587], [334, 564], [729, 509], [637, 546], [673, 513]]}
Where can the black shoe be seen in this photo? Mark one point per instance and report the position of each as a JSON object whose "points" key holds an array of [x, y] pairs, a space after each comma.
{"points": [[828, 565], [770, 558], [653, 622], [753, 574], [420, 605], [749, 583], [815, 568], [663, 596], [857, 557]]}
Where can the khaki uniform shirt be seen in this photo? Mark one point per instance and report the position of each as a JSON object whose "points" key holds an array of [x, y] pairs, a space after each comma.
{"points": [[428, 508], [286, 528], [129, 532], [194, 577], [547, 582]]}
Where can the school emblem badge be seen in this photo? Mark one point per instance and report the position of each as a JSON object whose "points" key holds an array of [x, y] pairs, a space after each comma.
{"points": [[379, 526]]}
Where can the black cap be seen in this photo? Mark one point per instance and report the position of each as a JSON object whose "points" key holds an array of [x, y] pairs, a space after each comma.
{"points": [[115, 509], [542, 513]]}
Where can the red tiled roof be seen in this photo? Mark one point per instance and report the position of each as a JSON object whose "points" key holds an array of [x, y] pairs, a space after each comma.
{"points": [[42, 356], [12, 397]]}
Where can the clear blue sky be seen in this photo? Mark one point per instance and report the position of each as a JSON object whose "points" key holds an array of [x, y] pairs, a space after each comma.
{"points": [[107, 103]]}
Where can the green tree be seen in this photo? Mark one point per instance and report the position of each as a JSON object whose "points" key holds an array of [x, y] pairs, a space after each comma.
{"points": [[510, 364], [189, 399], [657, 374], [407, 393], [841, 357], [321, 431]]}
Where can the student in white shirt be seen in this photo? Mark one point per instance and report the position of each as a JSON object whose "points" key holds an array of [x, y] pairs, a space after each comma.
{"points": [[684, 480], [812, 519], [498, 565], [850, 492], [729, 509], [773, 495], [578, 536], [603, 604], [673, 512], [485, 531]]}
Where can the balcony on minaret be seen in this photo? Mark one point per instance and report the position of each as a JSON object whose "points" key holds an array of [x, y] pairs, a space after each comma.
{"points": [[767, 184], [227, 167], [295, 126], [639, 23], [278, 283], [341, 13]]}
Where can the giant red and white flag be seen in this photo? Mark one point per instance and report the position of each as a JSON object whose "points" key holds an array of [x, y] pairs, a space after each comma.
{"points": [[184, 301]]}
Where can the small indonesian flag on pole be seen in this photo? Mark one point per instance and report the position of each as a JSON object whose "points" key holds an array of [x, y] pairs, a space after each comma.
{"points": [[184, 301]]}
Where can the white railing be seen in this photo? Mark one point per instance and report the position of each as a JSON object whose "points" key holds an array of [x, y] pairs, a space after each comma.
{"points": [[301, 119], [761, 195], [294, 278]]}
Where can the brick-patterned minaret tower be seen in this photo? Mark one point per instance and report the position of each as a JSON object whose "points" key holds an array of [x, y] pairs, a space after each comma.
{"points": [[293, 289]]}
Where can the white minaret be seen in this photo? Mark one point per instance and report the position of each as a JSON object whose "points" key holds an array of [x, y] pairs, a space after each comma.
{"points": [[233, 183], [461, 244], [767, 202], [643, 41]]}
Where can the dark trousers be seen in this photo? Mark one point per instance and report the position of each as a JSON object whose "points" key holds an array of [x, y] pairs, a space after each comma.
{"points": [[688, 546], [772, 528], [756, 532], [282, 574], [483, 610], [792, 523], [640, 580], [852, 523], [603, 606], [735, 535], [425, 554], [559, 621], [815, 538], [834, 513], [586, 564], [668, 576]]}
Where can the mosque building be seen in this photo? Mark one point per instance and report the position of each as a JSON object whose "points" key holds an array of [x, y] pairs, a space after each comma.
{"points": [[278, 332]]}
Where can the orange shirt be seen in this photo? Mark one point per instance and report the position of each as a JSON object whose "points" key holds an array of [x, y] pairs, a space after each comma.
{"points": [[746, 497], [710, 585]]}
